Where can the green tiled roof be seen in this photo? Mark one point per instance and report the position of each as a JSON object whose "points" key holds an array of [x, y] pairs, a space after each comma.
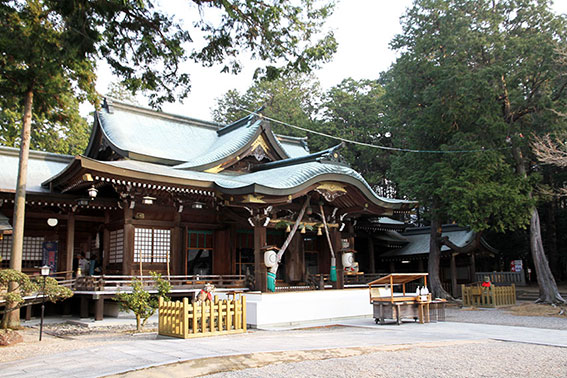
{"points": [[143, 134]]}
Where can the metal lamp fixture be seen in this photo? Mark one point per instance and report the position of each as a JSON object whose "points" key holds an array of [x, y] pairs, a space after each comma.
{"points": [[197, 205], [52, 222], [93, 192], [44, 273], [82, 201]]}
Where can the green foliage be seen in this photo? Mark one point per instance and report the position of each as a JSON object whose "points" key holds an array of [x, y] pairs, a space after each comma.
{"points": [[474, 75], [293, 99], [354, 109], [140, 301], [275, 31], [50, 48], [25, 286]]}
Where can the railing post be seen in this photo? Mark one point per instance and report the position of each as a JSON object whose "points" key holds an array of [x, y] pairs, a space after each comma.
{"points": [[228, 315], [185, 318], [244, 325], [220, 306], [194, 322]]}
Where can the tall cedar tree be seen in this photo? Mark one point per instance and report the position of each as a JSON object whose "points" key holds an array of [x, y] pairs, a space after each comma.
{"points": [[476, 75], [50, 49]]}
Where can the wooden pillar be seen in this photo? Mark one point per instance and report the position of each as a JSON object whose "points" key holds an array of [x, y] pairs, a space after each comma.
{"points": [[128, 258], [335, 236], [28, 312], [371, 257], [472, 266], [70, 244], [105, 242], [295, 260], [177, 248], [260, 271], [99, 308], [84, 306], [453, 274]]}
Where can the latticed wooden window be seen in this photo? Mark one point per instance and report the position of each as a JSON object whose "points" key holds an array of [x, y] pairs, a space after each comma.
{"points": [[151, 245], [32, 254], [116, 252]]}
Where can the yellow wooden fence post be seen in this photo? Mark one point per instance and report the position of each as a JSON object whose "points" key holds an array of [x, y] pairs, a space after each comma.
{"points": [[220, 308], [194, 322], [161, 315], [244, 325], [185, 318]]}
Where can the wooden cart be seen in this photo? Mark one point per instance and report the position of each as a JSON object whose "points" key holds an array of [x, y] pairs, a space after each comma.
{"points": [[397, 305]]}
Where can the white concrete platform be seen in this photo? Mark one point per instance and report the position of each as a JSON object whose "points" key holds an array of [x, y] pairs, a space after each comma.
{"points": [[266, 310]]}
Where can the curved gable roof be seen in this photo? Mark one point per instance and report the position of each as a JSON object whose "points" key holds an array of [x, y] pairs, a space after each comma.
{"points": [[141, 134]]}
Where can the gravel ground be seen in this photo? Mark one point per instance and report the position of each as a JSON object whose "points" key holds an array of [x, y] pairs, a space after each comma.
{"points": [[451, 360], [501, 316], [485, 359], [66, 337]]}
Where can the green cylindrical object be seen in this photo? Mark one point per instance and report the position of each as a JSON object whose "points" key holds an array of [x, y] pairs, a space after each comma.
{"points": [[271, 281], [333, 273]]}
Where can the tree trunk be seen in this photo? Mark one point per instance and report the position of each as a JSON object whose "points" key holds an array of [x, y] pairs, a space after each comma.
{"points": [[435, 286], [13, 317], [548, 292], [551, 239]]}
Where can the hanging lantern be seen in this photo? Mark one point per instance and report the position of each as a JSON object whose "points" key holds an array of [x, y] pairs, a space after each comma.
{"points": [[92, 192]]}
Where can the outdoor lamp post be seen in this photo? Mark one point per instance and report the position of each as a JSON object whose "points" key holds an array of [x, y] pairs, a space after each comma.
{"points": [[44, 274]]}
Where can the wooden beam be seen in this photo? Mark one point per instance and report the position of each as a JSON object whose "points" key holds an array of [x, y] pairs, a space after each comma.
{"points": [[105, 242], [371, 257], [128, 257], [260, 271], [70, 245], [453, 274]]}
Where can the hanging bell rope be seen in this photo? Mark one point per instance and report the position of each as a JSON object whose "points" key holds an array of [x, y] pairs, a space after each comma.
{"points": [[333, 258], [274, 269]]}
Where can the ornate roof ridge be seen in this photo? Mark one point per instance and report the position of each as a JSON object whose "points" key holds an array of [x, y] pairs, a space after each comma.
{"points": [[329, 155], [110, 103]]}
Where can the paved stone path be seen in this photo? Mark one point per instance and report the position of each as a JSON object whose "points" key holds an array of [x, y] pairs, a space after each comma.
{"points": [[117, 358]]}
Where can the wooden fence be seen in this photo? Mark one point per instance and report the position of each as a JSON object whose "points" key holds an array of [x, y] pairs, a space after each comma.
{"points": [[198, 319], [516, 278], [478, 296]]}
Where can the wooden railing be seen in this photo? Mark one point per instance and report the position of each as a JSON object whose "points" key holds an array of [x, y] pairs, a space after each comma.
{"points": [[120, 282], [185, 320], [494, 296], [352, 280], [516, 278]]}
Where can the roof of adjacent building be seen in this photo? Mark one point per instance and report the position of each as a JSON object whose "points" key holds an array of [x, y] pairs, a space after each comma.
{"points": [[5, 226], [418, 240], [41, 167]]}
